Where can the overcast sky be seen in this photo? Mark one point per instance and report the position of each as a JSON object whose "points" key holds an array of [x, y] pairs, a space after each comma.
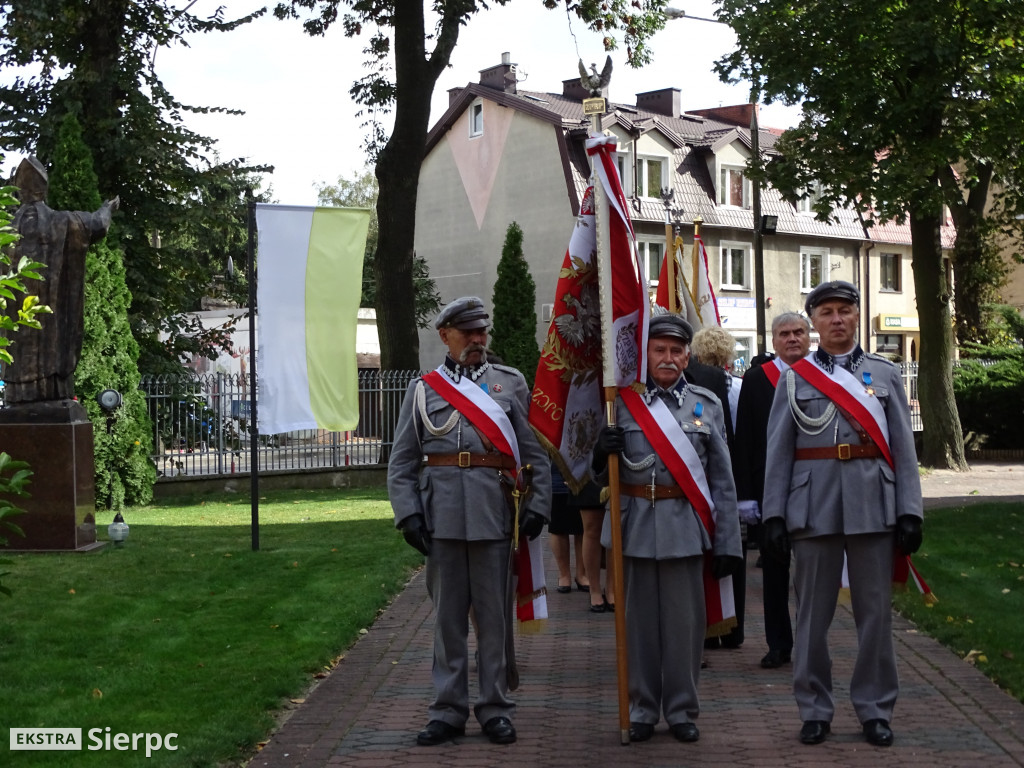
{"points": [[294, 88]]}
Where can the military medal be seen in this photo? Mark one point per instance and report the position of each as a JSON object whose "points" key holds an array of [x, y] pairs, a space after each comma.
{"points": [[866, 376], [698, 410]]}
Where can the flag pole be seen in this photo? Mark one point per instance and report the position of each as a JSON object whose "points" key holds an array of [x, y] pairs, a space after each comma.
{"points": [[254, 453], [670, 253], [604, 264]]}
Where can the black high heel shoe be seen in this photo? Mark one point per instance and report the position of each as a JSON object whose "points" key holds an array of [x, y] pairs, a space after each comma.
{"points": [[582, 587]]}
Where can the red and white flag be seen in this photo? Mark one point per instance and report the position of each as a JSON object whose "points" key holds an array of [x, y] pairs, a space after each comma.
{"points": [[566, 409], [684, 297], [703, 294]]}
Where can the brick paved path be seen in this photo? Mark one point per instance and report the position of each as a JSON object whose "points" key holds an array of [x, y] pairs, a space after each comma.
{"points": [[367, 712]]}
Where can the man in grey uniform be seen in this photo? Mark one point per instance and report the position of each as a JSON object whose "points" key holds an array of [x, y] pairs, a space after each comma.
{"points": [[461, 435], [841, 477], [678, 505]]}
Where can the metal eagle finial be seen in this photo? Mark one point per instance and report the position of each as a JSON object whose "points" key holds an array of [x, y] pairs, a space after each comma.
{"points": [[593, 81]]}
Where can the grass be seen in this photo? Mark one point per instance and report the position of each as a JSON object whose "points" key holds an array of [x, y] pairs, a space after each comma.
{"points": [[185, 629], [972, 559]]}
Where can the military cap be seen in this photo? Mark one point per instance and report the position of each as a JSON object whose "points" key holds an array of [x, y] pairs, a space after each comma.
{"points": [[464, 313], [670, 324], [834, 289]]}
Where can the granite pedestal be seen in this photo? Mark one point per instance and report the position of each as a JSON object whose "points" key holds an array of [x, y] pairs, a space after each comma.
{"points": [[57, 442]]}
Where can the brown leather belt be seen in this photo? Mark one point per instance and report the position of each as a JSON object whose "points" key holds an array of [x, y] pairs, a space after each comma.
{"points": [[841, 452], [652, 492], [465, 459]]}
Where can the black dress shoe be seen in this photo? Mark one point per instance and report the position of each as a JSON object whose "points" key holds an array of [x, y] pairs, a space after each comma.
{"points": [[438, 732], [500, 730], [563, 590], [878, 733], [640, 731], [598, 608], [814, 731], [775, 659], [582, 587], [685, 732]]}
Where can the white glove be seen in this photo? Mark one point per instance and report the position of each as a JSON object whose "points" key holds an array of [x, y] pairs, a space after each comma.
{"points": [[750, 512]]}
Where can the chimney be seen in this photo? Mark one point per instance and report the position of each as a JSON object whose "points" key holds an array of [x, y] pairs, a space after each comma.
{"points": [[501, 77], [454, 93], [664, 102], [573, 89]]}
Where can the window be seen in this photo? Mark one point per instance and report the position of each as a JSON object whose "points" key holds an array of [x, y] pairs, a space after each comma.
{"points": [[889, 342], [652, 253], [889, 279], [742, 354], [813, 268], [651, 175], [650, 171], [476, 118], [735, 257], [809, 196], [732, 187]]}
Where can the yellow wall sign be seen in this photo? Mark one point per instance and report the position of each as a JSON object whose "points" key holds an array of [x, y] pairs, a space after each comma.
{"points": [[897, 323]]}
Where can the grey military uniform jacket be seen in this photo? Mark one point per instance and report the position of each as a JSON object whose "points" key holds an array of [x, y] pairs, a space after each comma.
{"points": [[670, 528], [820, 497], [465, 504]]}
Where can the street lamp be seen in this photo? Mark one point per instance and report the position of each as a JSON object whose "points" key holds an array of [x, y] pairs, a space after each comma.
{"points": [[759, 221]]}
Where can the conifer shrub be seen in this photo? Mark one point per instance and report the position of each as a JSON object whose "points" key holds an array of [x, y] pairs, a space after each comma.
{"points": [[514, 332]]}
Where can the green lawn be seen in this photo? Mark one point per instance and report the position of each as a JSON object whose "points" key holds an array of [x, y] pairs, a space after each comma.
{"points": [[972, 559], [185, 629]]}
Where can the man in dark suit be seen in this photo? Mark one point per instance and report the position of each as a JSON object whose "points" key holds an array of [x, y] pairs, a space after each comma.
{"points": [[791, 340]]}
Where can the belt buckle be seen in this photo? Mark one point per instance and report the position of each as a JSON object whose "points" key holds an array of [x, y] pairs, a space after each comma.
{"points": [[843, 452], [464, 459]]}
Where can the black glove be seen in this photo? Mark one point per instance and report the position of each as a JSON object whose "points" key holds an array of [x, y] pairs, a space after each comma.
{"points": [[609, 440], [531, 525], [414, 530], [908, 534], [776, 538], [725, 565]]}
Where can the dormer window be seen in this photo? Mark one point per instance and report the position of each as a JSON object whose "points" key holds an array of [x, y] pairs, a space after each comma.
{"points": [[733, 187], [808, 197], [476, 118], [651, 175]]}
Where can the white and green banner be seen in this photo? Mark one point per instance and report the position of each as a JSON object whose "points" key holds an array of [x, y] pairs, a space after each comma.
{"points": [[309, 267]]}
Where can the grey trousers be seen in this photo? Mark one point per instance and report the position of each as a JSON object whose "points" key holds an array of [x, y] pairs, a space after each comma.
{"points": [[665, 625], [817, 577], [461, 574]]}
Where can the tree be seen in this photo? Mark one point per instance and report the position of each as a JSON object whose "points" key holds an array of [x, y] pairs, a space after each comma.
{"points": [[182, 207], [361, 192], [514, 335], [121, 440], [895, 97], [402, 77]]}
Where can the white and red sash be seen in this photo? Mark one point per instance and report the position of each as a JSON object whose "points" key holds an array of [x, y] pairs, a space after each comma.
{"points": [[486, 415], [842, 388], [773, 370], [674, 448], [481, 410]]}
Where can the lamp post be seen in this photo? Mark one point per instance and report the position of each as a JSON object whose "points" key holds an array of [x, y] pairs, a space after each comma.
{"points": [[755, 196]]}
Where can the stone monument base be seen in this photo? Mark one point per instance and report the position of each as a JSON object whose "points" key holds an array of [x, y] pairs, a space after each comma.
{"points": [[57, 443]]}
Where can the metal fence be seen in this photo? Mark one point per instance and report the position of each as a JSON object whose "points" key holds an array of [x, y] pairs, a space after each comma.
{"points": [[201, 427]]}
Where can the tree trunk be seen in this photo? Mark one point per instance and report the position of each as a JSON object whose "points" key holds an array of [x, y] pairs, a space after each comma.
{"points": [[976, 265], [943, 437]]}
